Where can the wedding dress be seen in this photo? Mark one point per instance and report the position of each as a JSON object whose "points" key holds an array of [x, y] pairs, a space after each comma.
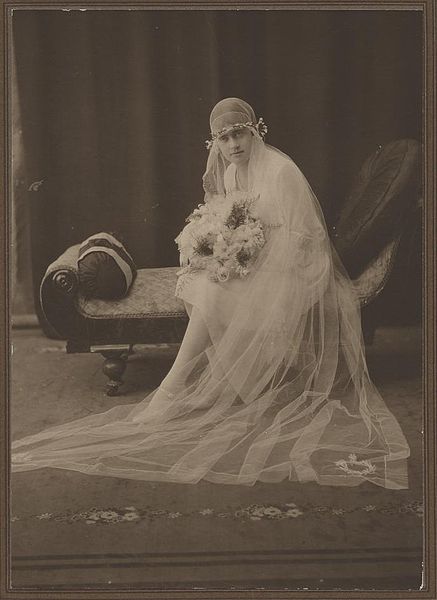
{"points": [[279, 389]]}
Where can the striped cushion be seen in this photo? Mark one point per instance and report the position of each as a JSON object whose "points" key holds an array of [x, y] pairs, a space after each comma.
{"points": [[106, 270]]}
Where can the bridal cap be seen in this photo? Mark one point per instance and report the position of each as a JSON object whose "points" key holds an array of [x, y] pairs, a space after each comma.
{"points": [[227, 115], [230, 114]]}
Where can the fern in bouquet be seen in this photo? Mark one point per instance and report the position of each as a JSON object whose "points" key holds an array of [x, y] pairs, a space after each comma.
{"points": [[222, 236]]}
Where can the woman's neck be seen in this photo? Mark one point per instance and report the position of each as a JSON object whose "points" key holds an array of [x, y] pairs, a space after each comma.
{"points": [[242, 175]]}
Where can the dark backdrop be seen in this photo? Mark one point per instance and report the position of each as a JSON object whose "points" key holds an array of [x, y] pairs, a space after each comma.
{"points": [[114, 109]]}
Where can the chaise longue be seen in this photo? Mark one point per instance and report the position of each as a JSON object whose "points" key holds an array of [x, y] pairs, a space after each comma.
{"points": [[367, 237]]}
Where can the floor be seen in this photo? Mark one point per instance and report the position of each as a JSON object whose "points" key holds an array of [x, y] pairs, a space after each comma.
{"points": [[72, 531]]}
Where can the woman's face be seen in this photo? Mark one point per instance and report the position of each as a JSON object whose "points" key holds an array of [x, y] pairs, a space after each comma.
{"points": [[236, 145]]}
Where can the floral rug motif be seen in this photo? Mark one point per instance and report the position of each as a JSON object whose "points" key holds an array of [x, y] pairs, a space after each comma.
{"points": [[252, 512]]}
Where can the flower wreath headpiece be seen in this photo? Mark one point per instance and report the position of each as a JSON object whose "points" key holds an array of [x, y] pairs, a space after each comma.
{"points": [[260, 127]]}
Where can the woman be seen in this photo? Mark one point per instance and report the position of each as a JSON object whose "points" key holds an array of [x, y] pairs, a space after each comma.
{"points": [[270, 382]]}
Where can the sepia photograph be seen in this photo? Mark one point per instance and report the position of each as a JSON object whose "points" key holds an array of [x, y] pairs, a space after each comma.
{"points": [[217, 232]]}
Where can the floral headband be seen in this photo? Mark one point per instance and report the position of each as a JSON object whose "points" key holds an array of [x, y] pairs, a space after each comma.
{"points": [[260, 127]]}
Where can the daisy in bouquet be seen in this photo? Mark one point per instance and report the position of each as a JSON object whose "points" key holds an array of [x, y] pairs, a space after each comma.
{"points": [[222, 236]]}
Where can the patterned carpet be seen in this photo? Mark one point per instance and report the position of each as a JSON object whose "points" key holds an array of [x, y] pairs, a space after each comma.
{"points": [[74, 531]]}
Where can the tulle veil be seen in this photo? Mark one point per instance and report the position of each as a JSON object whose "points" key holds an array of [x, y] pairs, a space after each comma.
{"points": [[280, 389]]}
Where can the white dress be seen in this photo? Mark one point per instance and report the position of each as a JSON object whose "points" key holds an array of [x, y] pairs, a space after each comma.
{"points": [[280, 390]]}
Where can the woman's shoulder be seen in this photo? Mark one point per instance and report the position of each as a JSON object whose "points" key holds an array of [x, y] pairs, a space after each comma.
{"points": [[279, 160], [281, 165]]}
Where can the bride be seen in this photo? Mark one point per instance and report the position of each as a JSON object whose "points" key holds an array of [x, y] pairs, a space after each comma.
{"points": [[270, 382]]}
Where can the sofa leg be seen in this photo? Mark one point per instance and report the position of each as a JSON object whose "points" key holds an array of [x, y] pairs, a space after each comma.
{"points": [[114, 368]]}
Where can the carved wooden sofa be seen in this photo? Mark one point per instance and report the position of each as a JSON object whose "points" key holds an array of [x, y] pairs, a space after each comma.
{"points": [[151, 314]]}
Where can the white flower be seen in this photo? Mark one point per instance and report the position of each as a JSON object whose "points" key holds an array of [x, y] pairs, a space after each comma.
{"points": [[338, 511], [108, 515], [206, 511], [44, 516], [271, 511], [174, 515], [131, 516], [242, 271], [293, 513], [366, 466], [222, 274], [92, 516], [415, 508], [370, 468], [258, 512], [369, 508]]}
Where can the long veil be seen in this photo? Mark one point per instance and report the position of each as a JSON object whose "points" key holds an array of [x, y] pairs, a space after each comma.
{"points": [[280, 389]]}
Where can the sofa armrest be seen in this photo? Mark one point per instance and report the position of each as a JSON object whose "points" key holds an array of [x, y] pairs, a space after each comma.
{"points": [[58, 293], [63, 273]]}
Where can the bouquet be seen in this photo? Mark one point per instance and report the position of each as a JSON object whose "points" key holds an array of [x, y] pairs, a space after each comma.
{"points": [[222, 236]]}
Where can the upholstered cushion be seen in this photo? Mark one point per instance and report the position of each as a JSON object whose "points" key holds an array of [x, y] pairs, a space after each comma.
{"points": [[373, 215], [106, 270], [151, 296]]}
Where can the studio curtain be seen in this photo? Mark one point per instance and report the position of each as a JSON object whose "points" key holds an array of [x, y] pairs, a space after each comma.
{"points": [[114, 108]]}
